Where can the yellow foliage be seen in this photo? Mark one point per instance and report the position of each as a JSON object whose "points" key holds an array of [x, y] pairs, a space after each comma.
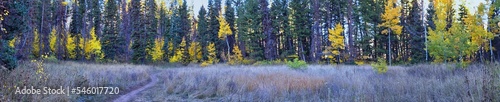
{"points": [[156, 52], [224, 29], [336, 39], [92, 47], [12, 42], [36, 46], [337, 42], [237, 58], [53, 40], [212, 55], [71, 46], [391, 18], [179, 53], [194, 52], [480, 36]]}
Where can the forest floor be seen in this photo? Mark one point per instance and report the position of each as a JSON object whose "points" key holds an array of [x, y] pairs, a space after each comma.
{"points": [[222, 82]]}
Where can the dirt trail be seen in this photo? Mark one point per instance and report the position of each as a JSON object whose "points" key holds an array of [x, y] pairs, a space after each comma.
{"points": [[127, 97]]}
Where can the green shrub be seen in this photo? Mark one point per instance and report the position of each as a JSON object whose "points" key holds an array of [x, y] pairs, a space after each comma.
{"points": [[380, 66], [297, 64]]}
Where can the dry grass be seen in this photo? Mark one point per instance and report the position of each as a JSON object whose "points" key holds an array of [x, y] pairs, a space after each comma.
{"points": [[262, 83], [329, 83], [72, 75]]}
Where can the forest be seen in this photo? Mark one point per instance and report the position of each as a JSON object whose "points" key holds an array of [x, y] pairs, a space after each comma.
{"points": [[252, 50], [316, 31]]}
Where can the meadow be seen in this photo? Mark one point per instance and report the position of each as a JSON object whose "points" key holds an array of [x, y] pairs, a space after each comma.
{"points": [[221, 82]]}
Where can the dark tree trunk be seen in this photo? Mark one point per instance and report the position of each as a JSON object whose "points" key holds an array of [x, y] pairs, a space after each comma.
{"points": [[315, 41], [269, 50]]}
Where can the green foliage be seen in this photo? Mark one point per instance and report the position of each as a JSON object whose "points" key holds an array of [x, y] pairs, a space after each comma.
{"points": [[380, 66], [111, 41], [268, 62], [297, 64], [139, 34]]}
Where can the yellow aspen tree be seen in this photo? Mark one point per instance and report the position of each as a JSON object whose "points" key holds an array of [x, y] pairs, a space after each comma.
{"points": [[194, 52], [237, 58], [179, 53], [480, 36], [53, 40], [92, 47], [212, 55], [36, 39], [439, 42], [170, 49], [12, 42], [337, 41], [156, 52], [390, 19], [224, 31], [70, 47]]}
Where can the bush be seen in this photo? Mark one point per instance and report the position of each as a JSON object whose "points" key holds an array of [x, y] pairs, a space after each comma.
{"points": [[380, 66], [297, 64]]}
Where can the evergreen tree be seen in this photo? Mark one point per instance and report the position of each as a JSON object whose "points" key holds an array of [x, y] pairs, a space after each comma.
{"points": [[95, 15], [138, 33], [281, 27], [252, 35], [416, 31], [164, 28], [202, 29], [431, 15], [111, 41], [300, 28], [230, 19], [269, 47], [151, 25], [76, 26], [12, 22]]}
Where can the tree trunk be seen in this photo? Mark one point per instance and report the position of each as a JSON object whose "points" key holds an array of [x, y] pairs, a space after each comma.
{"points": [[390, 63], [269, 50]]}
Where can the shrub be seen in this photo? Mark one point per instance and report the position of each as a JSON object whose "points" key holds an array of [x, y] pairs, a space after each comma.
{"points": [[247, 61], [380, 66], [297, 64]]}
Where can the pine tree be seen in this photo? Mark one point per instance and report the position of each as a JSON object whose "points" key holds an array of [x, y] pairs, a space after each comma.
{"points": [[95, 15], [164, 28], [279, 16], [300, 26], [111, 41], [230, 19], [203, 34], [391, 21], [416, 31], [138, 33], [76, 26], [151, 25], [431, 15], [11, 23]]}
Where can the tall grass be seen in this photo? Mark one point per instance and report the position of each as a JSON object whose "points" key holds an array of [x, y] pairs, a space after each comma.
{"points": [[331, 83], [72, 75]]}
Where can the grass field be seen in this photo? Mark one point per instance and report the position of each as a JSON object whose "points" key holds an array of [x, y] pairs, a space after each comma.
{"points": [[261, 83]]}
